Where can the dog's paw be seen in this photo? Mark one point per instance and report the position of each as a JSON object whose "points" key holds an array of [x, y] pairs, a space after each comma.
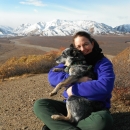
{"points": [[52, 93], [57, 117]]}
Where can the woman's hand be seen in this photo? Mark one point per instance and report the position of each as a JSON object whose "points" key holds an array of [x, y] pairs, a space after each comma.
{"points": [[84, 79]]}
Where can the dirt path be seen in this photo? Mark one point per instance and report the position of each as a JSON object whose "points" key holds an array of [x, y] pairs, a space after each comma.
{"points": [[47, 49]]}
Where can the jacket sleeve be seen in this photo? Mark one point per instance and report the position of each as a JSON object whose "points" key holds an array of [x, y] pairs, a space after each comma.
{"points": [[56, 77], [101, 88]]}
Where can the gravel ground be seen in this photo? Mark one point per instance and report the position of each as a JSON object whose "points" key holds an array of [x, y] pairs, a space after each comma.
{"points": [[17, 96]]}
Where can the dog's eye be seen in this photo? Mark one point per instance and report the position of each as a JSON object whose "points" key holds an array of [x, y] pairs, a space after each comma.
{"points": [[74, 53]]}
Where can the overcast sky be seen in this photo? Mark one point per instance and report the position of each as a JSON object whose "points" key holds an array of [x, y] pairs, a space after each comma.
{"points": [[111, 12]]}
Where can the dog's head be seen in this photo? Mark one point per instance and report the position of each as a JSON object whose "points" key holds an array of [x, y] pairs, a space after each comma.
{"points": [[69, 56]]}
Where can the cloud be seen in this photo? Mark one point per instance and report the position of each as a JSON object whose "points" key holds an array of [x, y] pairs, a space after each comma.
{"points": [[36, 11], [123, 17], [33, 2], [110, 15]]}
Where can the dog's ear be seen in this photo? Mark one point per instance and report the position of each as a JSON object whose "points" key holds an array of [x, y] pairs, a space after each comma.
{"points": [[71, 45]]}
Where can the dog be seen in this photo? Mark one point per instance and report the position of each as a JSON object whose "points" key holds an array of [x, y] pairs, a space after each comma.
{"points": [[76, 66]]}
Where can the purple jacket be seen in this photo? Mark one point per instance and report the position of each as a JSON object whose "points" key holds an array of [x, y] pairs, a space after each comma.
{"points": [[99, 89]]}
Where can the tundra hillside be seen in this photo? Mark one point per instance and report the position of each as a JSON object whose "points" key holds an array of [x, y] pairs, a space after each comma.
{"points": [[23, 79]]}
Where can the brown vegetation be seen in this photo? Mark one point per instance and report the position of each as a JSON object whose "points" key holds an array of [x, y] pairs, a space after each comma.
{"points": [[121, 94], [32, 64], [122, 70]]}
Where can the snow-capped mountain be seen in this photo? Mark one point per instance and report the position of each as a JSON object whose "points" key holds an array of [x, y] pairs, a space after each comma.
{"points": [[59, 27], [5, 30], [123, 28], [26, 29], [63, 27]]}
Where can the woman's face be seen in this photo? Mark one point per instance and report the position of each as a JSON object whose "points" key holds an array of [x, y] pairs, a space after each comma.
{"points": [[83, 44]]}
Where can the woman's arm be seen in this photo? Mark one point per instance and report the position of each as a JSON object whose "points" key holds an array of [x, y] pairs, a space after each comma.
{"points": [[98, 89]]}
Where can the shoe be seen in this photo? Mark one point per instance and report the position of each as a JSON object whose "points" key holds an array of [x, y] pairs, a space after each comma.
{"points": [[45, 128]]}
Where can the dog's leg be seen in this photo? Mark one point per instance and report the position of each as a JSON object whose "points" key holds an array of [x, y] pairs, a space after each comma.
{"points": [[67, 82], [62, 117], [69, 115], [56, 89]]}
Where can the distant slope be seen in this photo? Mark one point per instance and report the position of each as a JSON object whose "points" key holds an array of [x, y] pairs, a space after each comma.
{"points": [[121, 64], [123, 28]]}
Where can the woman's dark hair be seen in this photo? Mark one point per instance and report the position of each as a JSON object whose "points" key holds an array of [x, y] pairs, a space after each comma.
{"points": [[84, 34], [88, 36], [96, 54]]}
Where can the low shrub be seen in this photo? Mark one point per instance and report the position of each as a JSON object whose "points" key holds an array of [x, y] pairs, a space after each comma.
{"points": [[32, 64]]}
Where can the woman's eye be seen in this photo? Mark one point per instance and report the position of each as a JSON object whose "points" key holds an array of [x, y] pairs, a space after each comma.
{"points": [[86, 44], [78, 47]]}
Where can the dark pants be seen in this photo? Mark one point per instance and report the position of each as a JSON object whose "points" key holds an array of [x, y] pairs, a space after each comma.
{"points": [[44, 108]]}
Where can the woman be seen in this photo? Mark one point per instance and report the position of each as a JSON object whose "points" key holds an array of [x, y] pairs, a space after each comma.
{"points": [[99, 90]]}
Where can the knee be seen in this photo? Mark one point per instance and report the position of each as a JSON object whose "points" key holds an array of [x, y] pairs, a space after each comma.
{"points": [[39, 104], [105, 120]]}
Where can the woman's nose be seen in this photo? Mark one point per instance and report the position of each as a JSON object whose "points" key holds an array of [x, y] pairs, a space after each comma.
{"points": [[82, 48]]}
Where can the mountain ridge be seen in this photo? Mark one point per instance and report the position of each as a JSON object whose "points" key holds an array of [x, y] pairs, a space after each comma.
{"points": [[59, 27]]}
